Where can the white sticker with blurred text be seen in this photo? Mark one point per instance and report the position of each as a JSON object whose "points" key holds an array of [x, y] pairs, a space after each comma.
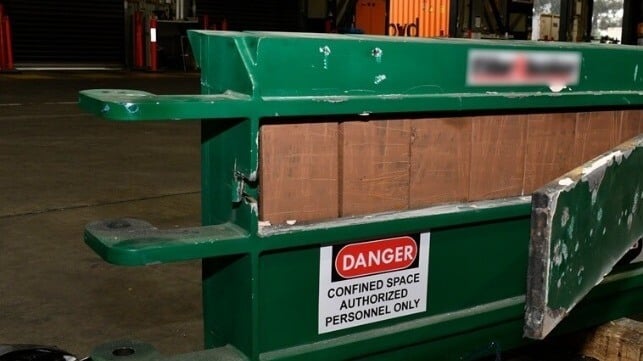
{"points": [[505, 67]]}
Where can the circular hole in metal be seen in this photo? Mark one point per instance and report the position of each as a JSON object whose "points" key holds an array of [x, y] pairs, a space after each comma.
{"points": [[123, 351], [118, 223]]}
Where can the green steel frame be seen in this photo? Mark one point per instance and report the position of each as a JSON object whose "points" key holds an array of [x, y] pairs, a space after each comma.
{"points": [[260, 284]]}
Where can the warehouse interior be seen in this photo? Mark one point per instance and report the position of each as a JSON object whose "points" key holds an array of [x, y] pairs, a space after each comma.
{"points": [[116, 34], [63, 167]]}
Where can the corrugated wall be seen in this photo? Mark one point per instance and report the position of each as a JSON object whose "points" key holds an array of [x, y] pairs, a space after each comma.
{"points": [[425, 18], [67, 31]]}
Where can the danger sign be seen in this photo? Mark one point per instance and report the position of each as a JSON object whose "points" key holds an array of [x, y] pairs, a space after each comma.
{"points": [[366, 282]]}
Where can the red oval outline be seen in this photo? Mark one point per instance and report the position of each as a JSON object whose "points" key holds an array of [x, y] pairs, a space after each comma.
{"points": [[404, 240]]}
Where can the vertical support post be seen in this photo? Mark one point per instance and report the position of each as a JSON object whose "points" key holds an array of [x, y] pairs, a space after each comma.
{"points": [[153, 45], [7, 42], [454, 12], [139, 59], [588, 24], [3, 53], [206, 22], [630, 21], [565, 17], [224, 24], [640, 26]]}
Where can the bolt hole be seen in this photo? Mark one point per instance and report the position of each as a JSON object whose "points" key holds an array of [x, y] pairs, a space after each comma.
{"points": [[119, 223], [123, 351]]}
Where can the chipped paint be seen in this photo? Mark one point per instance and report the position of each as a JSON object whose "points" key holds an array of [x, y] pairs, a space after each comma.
{"points": [[565, 182], [253, 176], [635, 202], [380, 78], [557, 88], [131, 108], [377, 54], [325, 50], [558, 257], [253, 204], [636, 71], [564, 218], [330, 99], [594, 195]]}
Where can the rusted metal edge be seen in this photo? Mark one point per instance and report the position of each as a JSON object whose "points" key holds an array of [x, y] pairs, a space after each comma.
{"points": [[537, 315]]}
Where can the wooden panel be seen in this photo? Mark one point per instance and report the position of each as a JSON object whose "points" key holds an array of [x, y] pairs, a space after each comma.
{"points": [[631, 124], [374, 160], [620, 340], [440, 161], [319, 171], [548, 153], [596, 133], [298, 172], [497, 156]]}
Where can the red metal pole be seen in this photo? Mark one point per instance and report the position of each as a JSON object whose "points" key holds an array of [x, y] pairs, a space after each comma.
{"points": [[206, 22], [139, 58], [3, 47], [8, 42], [153, 47], [3, 52], [134, 41], [224, 24]]}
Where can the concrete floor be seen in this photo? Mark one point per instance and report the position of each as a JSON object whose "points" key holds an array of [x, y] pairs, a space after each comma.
{"points": [[61, 168]]}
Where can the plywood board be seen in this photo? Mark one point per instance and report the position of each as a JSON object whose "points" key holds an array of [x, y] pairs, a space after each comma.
{"points": [[440, 161], [548, 152], [298, 172], [374, 159], [631, 124], [497, 156], [620, 340], [596, 133], [319, 171]]}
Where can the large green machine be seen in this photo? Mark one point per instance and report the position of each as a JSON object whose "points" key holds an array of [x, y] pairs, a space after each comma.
{"points": [[455, 281]]}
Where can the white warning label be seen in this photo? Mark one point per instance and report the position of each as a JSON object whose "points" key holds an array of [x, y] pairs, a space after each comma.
{"points": [[366, 282]]}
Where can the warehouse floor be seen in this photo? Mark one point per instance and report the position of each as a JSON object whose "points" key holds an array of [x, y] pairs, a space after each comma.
{"points": [[62, 168]]}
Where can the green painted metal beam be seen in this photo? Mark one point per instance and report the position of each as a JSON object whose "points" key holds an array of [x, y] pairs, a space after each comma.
{"points": [[289, 74], [583, 223], [132, 242]]}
